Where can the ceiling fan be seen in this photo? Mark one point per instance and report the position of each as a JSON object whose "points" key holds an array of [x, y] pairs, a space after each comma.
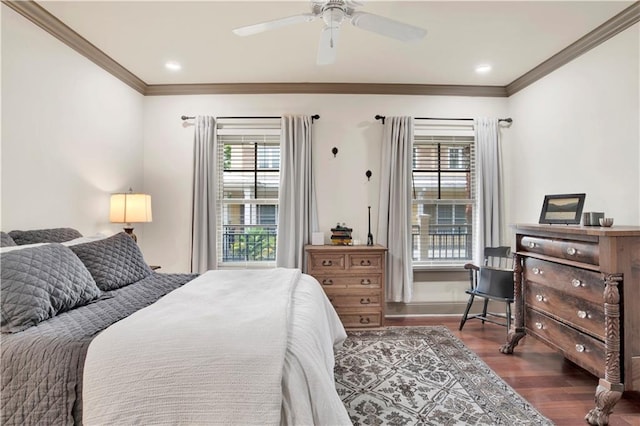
{"points": [[333, 13]]}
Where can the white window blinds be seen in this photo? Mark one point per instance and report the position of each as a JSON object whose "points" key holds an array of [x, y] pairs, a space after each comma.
{"points": [[248, 182], [444, 193]]}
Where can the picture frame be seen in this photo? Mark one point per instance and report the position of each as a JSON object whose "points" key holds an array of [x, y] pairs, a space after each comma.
{"points": [[563, 209]]}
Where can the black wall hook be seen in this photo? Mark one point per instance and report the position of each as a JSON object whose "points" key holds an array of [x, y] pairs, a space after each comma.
{"points": [[334, 150], [368, 174]]}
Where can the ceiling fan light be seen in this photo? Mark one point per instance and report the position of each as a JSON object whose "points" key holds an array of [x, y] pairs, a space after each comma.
{"points": [[333, 16]]}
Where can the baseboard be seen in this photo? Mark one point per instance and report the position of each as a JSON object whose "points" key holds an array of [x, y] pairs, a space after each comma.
{"points": [[436, 308]]}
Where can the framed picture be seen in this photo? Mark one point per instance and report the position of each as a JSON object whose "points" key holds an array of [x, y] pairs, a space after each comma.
{"points": [[562, 208]]}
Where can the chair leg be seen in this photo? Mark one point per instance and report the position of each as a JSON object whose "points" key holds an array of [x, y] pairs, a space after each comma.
{"points": [[484, 310], [508, 316], [466, 312]]}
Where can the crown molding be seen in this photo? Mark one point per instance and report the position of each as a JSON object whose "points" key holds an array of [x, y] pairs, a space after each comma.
{"points": [[45, 20], [326, 88], [615, 25]]}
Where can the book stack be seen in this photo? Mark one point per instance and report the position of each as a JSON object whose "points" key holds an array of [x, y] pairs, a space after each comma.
{"points": [[341, 235]]}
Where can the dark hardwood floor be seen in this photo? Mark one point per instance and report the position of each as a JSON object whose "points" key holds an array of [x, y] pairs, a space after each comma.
{"points": [[559, 389]]}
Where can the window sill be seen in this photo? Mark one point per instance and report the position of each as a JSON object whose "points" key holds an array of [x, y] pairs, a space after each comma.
{"points": [[438, 268], [247, 265]]}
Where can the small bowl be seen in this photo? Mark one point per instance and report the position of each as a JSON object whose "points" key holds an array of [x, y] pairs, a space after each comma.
{"points": [[606, 221]]}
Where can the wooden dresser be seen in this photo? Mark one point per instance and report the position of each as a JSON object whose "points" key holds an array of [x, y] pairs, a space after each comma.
{"points": [[578, 290], [353, 278]]}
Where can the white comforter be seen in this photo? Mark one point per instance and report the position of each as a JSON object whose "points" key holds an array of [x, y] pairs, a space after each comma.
{"points": [[231, 347]]}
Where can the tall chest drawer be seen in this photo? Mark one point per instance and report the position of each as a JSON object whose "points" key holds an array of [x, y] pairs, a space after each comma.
{"points": [[580, 283], [579, 251], [580, 348]]}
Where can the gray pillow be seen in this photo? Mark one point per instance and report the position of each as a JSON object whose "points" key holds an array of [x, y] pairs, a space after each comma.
{"points": [[39, 282], [51, 235], [113, 262], [6, 240]]}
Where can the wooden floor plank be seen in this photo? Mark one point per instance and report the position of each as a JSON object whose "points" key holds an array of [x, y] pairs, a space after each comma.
{"points": [[557, 388]]}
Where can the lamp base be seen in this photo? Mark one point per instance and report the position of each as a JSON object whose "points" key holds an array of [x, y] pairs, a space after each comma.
{"points": [[129, 231]]}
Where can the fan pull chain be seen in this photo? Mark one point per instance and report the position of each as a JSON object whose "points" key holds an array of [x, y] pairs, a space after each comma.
{"points": [[331, 29]]}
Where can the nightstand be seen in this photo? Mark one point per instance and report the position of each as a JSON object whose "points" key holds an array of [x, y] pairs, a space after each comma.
{"points": [[353, 278]]}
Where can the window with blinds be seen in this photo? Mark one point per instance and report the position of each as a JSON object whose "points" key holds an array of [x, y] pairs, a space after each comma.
{"points": [[248, 181], [444, 199]]}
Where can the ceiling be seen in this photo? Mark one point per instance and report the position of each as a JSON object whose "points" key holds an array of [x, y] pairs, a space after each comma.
{"points": [[512, 36]]}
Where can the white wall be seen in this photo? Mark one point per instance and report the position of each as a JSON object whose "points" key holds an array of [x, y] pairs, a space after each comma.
{"points": [[343, 192], [71, 133], [578, 130]]}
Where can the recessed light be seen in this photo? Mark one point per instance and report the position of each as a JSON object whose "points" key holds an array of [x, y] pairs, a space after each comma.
{"points": [[173, 66], [483, 69]]}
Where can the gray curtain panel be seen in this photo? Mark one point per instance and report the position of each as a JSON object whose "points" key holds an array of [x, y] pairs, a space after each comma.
{"points": [[490, 186], [203, 240], [394, 213], [297, 211]]}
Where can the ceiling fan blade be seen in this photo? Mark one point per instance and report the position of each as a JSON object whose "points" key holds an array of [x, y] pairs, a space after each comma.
{"points": [[277, 23], [387, 27], [327, 48]]}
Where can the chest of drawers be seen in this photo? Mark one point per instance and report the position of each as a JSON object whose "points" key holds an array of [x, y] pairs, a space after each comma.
{"points": [[353, 278], [577, 289]]}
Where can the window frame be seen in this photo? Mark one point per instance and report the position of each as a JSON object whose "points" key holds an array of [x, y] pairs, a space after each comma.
{"points": [[449, 133], [260, 132]]}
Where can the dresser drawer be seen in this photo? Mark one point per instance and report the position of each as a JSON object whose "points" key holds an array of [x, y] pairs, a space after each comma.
{"points": [[578, 251], [580, 348], [340, 300], [360, 319], [365, 261], [580, 283], [580, 313], [324, 262], [360, 281]]}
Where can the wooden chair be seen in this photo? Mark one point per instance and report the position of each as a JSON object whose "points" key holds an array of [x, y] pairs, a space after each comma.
{"points": [[492, 281]]}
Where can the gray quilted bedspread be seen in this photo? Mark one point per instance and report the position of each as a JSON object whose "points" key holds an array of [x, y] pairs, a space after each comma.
{"points": [[42, 366]]}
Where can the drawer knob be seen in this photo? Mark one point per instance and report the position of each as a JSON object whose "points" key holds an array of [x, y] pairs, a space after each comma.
{"points": [[571, 251], [540, 298], [539, 326], [366, 262], [582, 314], [580, 348], [365, 301], [577, 283], [536, 271], [365, 281], [532, 245], [327, 281], [327, 263], [366, 320]]}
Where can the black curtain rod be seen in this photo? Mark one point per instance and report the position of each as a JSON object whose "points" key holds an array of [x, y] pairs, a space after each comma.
{"points": [[507, 120], [313, 117]]}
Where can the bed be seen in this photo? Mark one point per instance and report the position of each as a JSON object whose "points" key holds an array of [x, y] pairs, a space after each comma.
{"points": [[90, 335]]}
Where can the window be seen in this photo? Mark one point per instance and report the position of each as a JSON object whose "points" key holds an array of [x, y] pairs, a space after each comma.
{"points": [[443, 183], [248, 181]]}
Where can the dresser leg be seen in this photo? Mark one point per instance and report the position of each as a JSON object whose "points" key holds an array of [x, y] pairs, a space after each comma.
{"points": [[606, 399], [513, 337], [609, 390]]}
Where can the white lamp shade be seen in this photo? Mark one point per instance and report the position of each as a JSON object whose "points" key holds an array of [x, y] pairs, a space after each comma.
{"points": [[130, 208]]}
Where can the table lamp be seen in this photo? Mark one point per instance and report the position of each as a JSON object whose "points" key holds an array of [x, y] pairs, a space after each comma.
{"points": [[130, 208]]}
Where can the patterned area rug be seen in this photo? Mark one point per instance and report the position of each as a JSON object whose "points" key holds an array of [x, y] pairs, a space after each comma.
{"points": [[423, 376]]}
